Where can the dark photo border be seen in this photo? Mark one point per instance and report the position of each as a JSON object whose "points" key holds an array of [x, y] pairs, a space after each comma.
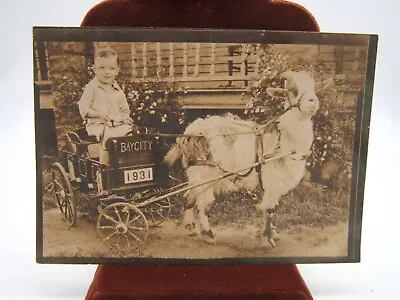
{"points": [[363, 115]]}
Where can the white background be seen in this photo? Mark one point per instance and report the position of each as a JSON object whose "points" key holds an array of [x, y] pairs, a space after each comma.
{"points": [[20, 277]]}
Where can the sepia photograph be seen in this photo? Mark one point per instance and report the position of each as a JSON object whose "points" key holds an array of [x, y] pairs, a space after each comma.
{"points": [[200, 146]]}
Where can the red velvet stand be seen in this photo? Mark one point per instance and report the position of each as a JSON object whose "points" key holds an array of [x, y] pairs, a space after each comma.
{"points": [[200, 281]]}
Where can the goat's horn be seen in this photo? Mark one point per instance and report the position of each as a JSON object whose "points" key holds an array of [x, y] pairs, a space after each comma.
{"points": [[287, 75]]}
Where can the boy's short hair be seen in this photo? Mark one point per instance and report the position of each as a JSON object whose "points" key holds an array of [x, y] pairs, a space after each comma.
{"points": [[105, 51]]}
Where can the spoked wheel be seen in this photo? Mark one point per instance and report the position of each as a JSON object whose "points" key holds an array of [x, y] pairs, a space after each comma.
{"points": [[157, 212], [63, 193], [122, 225]]}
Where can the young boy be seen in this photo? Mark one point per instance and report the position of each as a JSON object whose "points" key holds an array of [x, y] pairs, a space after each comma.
{"points": [[103, 104]]}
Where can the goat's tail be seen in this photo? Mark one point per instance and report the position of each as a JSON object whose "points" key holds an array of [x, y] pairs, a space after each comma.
{"points": [[173, 155], [189, 150]]}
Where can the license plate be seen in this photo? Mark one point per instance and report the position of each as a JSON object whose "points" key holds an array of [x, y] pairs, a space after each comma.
{"points": [[138, 175]]}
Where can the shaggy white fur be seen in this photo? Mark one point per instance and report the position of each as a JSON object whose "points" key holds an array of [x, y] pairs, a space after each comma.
{"points": [[231, 144]]}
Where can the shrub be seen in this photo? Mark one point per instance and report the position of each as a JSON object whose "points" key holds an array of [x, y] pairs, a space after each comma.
{"points": [[67, 90], [156, 105]]}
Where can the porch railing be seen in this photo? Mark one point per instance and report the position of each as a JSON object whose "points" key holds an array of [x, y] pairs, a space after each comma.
{"points": [[194, 62]]}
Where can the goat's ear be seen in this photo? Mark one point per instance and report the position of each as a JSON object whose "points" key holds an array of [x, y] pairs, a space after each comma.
{"points": [[324, 84], [276, 92]]}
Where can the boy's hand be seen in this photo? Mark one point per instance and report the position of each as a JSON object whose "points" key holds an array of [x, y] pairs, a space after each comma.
{"points": [[127, 121], [97, 114]]}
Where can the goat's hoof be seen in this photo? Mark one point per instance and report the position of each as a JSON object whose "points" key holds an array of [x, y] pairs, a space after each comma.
{"points": [[191, 229], [274, 235], [272, 242], [268, 242], [209, 240], [209, 237]]}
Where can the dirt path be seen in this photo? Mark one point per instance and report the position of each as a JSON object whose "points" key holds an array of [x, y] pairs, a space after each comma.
{"points": [[172, 241]]}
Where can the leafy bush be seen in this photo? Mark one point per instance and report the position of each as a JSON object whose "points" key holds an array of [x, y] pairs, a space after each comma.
{"points": [[156, 105], [69, 79]]}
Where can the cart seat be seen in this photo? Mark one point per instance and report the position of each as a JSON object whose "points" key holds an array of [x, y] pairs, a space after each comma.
{"points": [[82, 144]]}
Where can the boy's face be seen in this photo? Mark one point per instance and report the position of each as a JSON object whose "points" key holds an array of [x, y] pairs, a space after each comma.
{"points": [[106, 69]]}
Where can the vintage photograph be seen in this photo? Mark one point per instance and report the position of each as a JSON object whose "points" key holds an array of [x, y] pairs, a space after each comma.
{"points": [[200, 146]]}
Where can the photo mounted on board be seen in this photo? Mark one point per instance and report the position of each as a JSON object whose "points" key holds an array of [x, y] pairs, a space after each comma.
{"points": [[200, 146]]}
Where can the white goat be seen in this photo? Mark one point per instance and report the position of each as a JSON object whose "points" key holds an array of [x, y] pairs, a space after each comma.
{"points": [[227, 143]]}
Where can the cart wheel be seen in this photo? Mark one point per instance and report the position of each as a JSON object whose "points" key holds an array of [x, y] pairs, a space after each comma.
{"points": [[157, 212], [63, 193], [122, 225]]}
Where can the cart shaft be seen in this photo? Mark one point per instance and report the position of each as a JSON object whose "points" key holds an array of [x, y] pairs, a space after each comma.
{"points": [[222, 176]]}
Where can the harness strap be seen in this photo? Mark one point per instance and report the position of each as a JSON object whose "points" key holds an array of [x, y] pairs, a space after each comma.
{"points": [[274, 120], [303, 157], [172, 135], [259, 157], [246, 174], [202, 162]]}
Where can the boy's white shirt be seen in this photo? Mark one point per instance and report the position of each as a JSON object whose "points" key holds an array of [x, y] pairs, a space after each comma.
{"points": [[113, 105]]}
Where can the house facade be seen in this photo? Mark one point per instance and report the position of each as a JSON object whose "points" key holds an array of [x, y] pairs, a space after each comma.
{"points": [[214, 74]]}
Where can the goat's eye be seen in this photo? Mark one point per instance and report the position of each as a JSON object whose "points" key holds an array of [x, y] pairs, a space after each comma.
{"points": [[294, 91]]}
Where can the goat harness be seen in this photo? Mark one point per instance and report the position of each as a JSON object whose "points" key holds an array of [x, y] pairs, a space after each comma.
{"points": [[260, 156]]}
